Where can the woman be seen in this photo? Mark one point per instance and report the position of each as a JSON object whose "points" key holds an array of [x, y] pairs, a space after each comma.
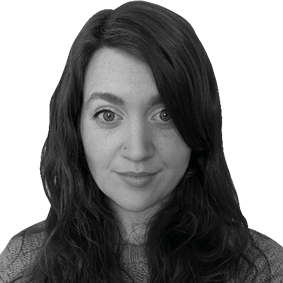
{"points": [[133, 166]]}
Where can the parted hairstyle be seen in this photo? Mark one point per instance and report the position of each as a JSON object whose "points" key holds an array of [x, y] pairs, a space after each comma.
{"points": [[200, 234]]}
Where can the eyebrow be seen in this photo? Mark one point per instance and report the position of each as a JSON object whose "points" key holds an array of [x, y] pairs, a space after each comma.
{"points": [[112, 98]]}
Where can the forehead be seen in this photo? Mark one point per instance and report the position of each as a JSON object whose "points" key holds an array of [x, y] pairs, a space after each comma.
{"points": [[115, 72]]}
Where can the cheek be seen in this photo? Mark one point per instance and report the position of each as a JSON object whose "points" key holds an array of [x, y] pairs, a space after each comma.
{"points": [[176, 153], [99, 150]]}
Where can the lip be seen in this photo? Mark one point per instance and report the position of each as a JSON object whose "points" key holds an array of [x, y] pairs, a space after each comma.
{"points": [[137, 179]]}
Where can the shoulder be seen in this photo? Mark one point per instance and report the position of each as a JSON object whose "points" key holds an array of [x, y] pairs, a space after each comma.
{"points": [[267, 255], [21, 252]]}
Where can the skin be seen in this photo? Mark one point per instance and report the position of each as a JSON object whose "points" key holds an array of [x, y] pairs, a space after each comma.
{"points": [[129, 131]]}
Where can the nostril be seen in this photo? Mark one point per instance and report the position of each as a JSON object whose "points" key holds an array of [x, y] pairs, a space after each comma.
{"points": [[138, 149]]}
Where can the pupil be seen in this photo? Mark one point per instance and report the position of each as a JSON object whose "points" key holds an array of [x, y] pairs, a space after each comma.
{"points": [[164, 116], [108, 116]]}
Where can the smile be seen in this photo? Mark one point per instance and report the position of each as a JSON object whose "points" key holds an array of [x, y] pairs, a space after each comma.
{"points": [[137, 180]]}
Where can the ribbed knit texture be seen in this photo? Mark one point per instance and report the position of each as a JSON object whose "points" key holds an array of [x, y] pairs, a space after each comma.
{"points": [[18, 255], [135, 263]]}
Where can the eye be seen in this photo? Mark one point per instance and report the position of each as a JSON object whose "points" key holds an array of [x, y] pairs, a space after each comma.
{"points": [[106, 115], [163, 115]]}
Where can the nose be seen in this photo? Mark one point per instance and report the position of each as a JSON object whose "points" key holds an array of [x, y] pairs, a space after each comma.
{"points": [[138, 142]]}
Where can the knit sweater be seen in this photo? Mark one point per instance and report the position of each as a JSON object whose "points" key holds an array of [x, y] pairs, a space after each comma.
{"points": [[19, 254]]}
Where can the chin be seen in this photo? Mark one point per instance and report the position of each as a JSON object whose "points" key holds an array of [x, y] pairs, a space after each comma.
{"points": [[136, 208], [140, 207]]}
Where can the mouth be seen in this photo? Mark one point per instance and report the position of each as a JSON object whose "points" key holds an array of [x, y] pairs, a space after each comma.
{"points": [[137, 180]]}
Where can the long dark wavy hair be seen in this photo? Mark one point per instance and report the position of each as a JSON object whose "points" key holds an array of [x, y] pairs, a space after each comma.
{"points": [[200, 234]]}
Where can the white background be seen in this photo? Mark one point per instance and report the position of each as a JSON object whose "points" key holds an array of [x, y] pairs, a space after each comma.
{"points": [[244, 42]]}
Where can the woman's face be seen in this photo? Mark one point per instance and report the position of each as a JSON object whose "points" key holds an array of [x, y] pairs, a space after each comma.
{"points": [[134, 151]]}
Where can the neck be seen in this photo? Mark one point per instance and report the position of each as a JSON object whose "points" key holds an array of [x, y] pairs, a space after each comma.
{"points": [[134, 223], [134, 234]]}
